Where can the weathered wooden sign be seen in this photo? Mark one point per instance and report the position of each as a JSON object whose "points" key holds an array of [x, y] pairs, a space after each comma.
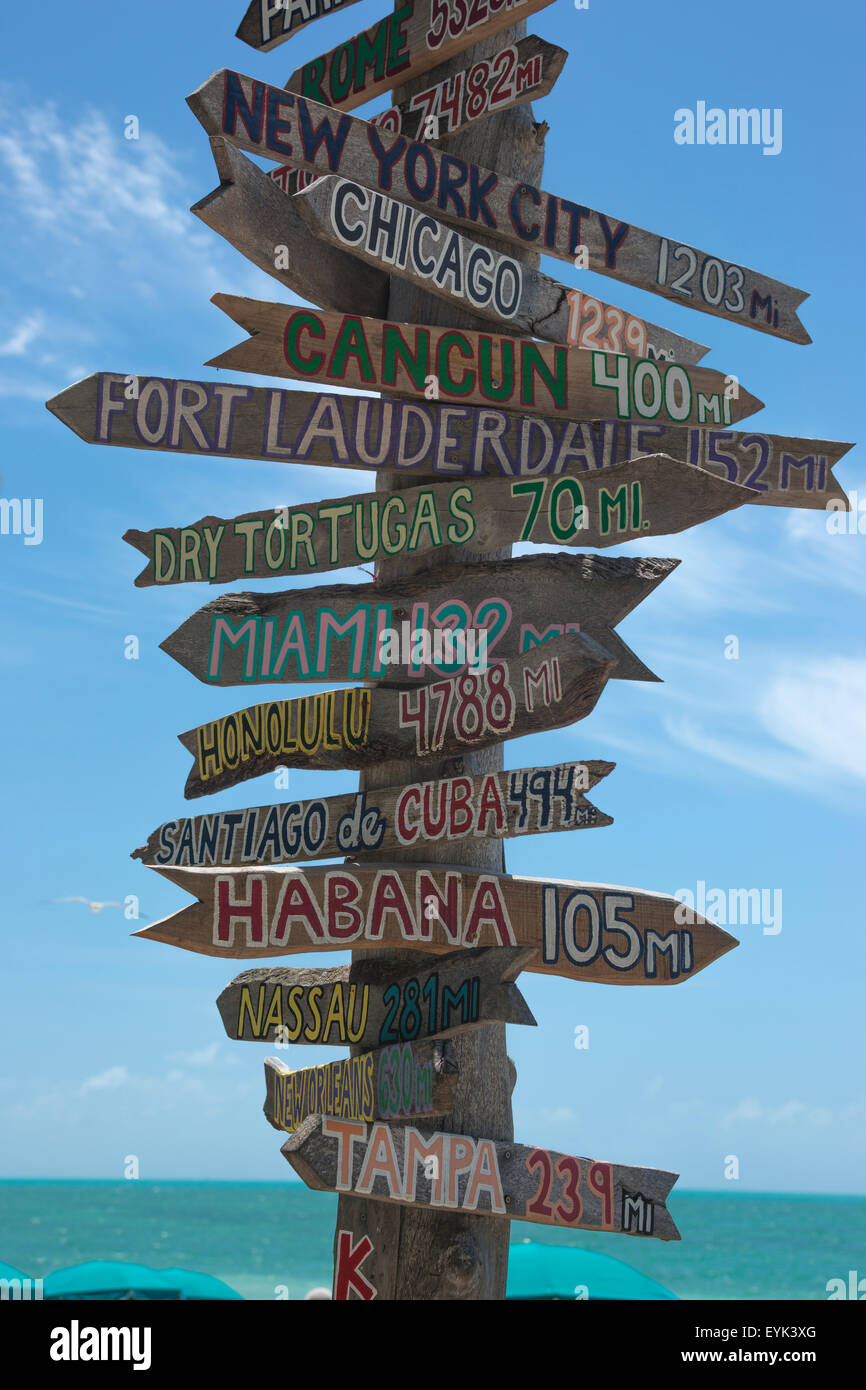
{"points": [[359, 727], [496, 805], [285, 127], [453, 1172], [268, 23], [269, 423], [439, 624], [372, 1003], [254, 422], [416, 37], [518, 72], [516, 372], [582, 931], [252, 213], [400, 1082], [649, 496], [389, 236]]}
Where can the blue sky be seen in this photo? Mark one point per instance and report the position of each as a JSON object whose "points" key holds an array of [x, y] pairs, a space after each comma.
{"points": [[745, 773]]}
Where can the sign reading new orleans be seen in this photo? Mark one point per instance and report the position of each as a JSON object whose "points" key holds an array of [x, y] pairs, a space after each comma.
{"points": [[496, 805], [517, 373], [582, 931], [426, 627], [268, 423], [452, 1172], [419, 35], [650, 496], [545, 689], [275, 123], [393, 237], [373, 1003], [399, 1082]]}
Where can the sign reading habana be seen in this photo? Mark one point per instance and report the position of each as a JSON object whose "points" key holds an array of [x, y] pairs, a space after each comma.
{"points": [[583, 931], [226, 419], [478, 368], [284, 127]]}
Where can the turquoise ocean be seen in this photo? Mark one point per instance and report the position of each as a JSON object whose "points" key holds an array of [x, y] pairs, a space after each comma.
{"points": [[264, 1238]]}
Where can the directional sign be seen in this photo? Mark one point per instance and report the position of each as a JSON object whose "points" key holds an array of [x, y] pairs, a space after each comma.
{"points": [[418, 36], [453, 1172], [495, 805], [419, 629], [252, 213], [390, 236], [455, 364], [268, 423], [359, 727], [518, 72], [272, 122], [582, 931], [374, 1003], [267, 23], [650, 496], [403, 1081]]}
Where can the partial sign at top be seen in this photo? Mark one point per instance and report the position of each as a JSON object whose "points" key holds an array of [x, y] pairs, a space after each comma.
{"points": [[417, 36], [268, 23], [272, 122]]}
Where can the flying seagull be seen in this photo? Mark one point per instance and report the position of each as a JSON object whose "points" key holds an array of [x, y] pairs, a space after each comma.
{"points": [[94, 906]]}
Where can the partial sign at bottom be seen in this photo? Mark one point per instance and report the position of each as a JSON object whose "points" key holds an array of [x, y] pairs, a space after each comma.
{"points": [[453, 1172]]}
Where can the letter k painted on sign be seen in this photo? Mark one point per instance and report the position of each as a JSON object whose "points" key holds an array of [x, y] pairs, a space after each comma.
{"points": [[348, 1272]]}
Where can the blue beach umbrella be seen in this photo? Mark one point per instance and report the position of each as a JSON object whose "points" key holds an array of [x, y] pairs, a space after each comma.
{"points": [[113, 1279], [538, 1271]]}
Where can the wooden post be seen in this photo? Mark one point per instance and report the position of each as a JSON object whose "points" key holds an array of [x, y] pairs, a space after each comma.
{"points": [[421, 1254]]}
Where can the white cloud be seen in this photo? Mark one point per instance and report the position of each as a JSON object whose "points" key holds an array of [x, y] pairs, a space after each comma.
{"points": [[791, 1112], [16, 343], [108, 1080], [200, 1058]]}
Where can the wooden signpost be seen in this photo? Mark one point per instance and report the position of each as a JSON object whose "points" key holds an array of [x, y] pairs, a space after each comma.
{"points": [[582, 931], [418, 35], [271, 424], [372, 1003], [516, 73], [394, 237], [282, 126], [401, 1082], [651, 496], [496, 805], [419, 630], [517, 373], [267, 23], [459, 1173], [547, 688], [251, 212]]}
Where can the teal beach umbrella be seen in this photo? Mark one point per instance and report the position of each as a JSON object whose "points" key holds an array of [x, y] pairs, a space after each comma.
{"points": [[113, 1279], [538, 1271]]}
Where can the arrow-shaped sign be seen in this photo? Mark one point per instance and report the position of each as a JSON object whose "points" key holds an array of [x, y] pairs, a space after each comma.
{"points": [[251, 212], [394, 237], [418, 36], [359, 727], [650, 496], [275, 123], [582, 931], [267, 23], [268, 423], [517, 73], [496, 805], [418, 629], [374, 1003], [400, 1082], [453, 1172]]}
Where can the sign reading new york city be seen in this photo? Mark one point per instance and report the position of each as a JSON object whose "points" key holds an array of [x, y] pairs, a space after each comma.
{"points": [[447, 441], [285, 127], [373, 1003], [453, 1172], [649, 496], [547, 688], [582, 931], [517, 373], [496, 805], [462, 615]]}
